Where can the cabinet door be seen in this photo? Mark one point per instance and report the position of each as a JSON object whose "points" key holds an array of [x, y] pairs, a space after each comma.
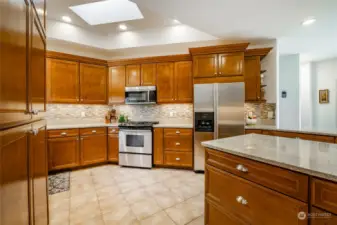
{"points": [[205, 65], [252, 78], [132, 75], [63, 153], [113, 145], [183, 82], [14, 196], [92, 83], [158, 146], [37, 82], [62, 81], [231, 64], [93, 149], [148, 74], [117, 85], [38, 174], [165, 83], [322, 217], [14, 34]]}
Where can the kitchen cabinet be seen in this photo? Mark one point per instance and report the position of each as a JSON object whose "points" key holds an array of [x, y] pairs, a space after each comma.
{"points": [[165, 83], [178, 159], [37, 87], [14, 183], [324, 195], [14, 36], [63, 152], [205, 65], [132, 75], [38, 173], [148, 74], [230, 64], [93, 149], [183, 82], [113, 147], [63, 84], [322, 217], [116, 85], [93, 83], [253, 131], [158, 146], [252, 78]]}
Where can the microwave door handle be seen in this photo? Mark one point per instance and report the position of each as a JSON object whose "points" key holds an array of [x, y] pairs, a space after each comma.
{"points": [[148, 96]]}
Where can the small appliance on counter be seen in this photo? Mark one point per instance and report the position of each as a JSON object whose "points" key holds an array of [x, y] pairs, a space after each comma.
{"points": [[140, 95], [135, 143]]}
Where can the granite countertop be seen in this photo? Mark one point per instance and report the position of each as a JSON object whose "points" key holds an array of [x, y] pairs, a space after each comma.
{"points": [[313, 158], [330, 132]]}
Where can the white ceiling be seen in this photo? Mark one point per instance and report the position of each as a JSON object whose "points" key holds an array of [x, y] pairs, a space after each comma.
{"points": [[204, 20]]}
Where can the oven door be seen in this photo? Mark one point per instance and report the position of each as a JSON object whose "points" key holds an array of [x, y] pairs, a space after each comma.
{"points": [[135, 141]]}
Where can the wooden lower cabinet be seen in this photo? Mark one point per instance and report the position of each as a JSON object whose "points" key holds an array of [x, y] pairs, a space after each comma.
{"points": [[93, 149], [320, 217], [249, 202], [217, 215], [113, 147], [180, 159], [253, 131], [63, 153], [158, 146]]}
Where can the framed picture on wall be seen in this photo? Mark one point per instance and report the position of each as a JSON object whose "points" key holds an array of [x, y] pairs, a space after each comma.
{"points": [[324, 96]]}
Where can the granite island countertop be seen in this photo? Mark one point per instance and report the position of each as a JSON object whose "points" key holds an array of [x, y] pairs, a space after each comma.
{"points": [[309, 157]]}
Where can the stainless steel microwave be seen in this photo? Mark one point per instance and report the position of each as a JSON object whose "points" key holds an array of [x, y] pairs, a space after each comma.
{"points": [[141, 95]]}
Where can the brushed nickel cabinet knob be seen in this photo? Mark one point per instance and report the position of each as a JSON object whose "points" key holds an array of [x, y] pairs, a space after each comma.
{"points": [[241, 200], [242, 168]]}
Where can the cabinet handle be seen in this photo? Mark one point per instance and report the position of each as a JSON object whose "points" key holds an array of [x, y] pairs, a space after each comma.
{"points": [[242, 168], [77, 139], [177, 132], [82, 139], [63, 133], [93, 131], [178, 159], [220, 73], [77, 99], [34, 132], [177, 143], [35, 112], [113, 131], [81, 99], [241, 200]]}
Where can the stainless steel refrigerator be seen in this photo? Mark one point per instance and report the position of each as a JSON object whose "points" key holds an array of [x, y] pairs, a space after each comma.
{"points": [[218, 113]]}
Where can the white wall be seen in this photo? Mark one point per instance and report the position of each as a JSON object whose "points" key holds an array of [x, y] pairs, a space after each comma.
{"points": [[324, 76], [289, 78], [306, 96]]}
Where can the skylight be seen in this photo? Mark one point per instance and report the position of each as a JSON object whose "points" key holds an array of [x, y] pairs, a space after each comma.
{"points": [[109, 11]]}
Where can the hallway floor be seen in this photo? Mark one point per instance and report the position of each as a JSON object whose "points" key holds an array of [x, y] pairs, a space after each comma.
{"points": [[113, 195]]}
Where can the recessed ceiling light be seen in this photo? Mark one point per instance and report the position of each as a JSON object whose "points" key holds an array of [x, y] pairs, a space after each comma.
{"points": [[108, 11], [40, 11], [308, 22], [66, 19], [123, 27]]}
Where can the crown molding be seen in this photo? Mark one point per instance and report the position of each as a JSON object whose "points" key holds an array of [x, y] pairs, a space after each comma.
{"points": [[240, 47], [80, 59], [154, 59], [262, 52]]}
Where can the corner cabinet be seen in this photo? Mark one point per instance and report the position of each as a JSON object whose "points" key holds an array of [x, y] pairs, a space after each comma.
{"points": [[174, 82], [63, 84], [93, 83]]}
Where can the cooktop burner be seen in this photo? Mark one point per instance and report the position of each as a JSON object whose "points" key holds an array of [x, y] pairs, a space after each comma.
{"points": [[138, 124]]}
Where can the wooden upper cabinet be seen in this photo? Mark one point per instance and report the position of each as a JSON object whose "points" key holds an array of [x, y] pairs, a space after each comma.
{"points": [[116, 85], [93, 83], [183, 82], [148, 74], [205, 65], [37, 82], [230, 64], [132, 75], [252, 78], [13, 62], [165, 83], [62, 81]]}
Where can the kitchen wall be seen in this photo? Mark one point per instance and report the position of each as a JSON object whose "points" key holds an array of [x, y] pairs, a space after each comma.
{"points": [[134, 112]]}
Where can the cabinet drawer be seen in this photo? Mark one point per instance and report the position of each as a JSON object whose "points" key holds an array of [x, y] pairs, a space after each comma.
{"points": [[250, 202], [183, 159], [285, 181], [113, 130], [177, 132], [182, 143], [92, 131], [63, 133], [253, 131], [322, 218], [324, 195], [317, 138]]}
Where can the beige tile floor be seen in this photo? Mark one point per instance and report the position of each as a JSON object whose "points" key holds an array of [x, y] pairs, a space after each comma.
{"points": [[113, 195]]}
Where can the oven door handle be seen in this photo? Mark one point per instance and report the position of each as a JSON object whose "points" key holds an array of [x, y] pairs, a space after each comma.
{"points": [[135, 132]]}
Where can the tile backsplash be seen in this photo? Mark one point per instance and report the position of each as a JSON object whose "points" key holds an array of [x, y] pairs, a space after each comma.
{"points": [[261, 111], [134, 112]]}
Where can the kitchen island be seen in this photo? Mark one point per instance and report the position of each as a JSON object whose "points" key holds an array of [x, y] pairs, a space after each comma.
{"points": [[259, 179]]}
